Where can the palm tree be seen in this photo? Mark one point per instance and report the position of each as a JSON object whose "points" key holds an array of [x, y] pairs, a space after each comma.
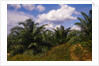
{"points": [[85, 25], [27, 35], [60, 34], [48, 38]]}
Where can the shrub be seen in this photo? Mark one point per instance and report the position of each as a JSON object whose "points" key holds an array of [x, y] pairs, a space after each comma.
{"points": [[29, 52]]}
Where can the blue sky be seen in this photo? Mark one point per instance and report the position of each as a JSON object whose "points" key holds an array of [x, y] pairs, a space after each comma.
{"points": [[52, 14]]}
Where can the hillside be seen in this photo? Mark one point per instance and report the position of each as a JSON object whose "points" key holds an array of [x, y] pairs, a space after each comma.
{"points": [[59, 53]]}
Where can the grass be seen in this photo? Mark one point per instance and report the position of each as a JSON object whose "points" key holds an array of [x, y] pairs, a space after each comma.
{"points": [[59, 53]]}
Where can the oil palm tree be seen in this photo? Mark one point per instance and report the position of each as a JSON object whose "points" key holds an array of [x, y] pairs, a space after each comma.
{"points": [[48, 37], [86, 25], [60, 34], [27, 35]]}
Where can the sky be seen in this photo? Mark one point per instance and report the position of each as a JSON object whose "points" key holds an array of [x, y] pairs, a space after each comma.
{"points": [[54, 15]]}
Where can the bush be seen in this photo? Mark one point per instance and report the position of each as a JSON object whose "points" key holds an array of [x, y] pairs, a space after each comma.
{"points": [[87, 45], [75, 40], [29, 52], [44, 49]]}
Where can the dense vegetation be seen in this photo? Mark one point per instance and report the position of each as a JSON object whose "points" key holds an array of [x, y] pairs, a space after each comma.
{"points": [[29, 41]]}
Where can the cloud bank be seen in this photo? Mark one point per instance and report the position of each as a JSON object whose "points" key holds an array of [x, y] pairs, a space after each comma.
{"points": [[61, 15]]}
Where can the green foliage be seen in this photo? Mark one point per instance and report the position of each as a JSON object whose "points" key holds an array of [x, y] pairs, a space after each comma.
{"points": [[58, 53], [44, 49], [32, 45], [75, 39], [87, 45], [29, 52], [86, 26], [29, 36], [60, 34]]}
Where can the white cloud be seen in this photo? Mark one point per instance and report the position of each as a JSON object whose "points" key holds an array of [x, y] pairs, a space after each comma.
{"points": [[78, 13], [16, 6], [75, 27], [40, 8], [63, 14], [29, 6], [14, 17]]}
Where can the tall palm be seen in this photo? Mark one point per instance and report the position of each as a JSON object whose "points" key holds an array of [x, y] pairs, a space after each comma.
{"points": [[24, 31], [86, 25], [60, 34], [27, 35], [48, 37]]}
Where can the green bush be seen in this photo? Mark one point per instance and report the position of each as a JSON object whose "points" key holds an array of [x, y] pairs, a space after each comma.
{"points": [[29, 52], [87, 45], [44, 49]]}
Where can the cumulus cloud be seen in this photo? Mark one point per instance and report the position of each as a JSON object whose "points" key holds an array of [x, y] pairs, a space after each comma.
{"points": [[63, 14], [16, 6], [75, 27], [29, 6], [40, 8], [14, 17]]}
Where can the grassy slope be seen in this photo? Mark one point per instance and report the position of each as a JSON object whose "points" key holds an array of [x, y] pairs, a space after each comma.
{"points": [[58, 53]]}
